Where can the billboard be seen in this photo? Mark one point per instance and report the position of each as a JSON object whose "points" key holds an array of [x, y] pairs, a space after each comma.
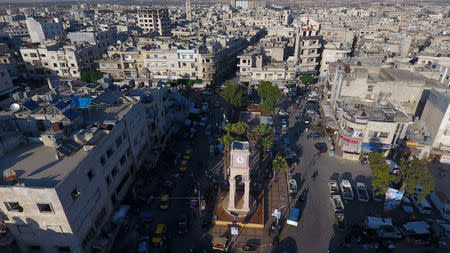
{"points": [[393, 198]]}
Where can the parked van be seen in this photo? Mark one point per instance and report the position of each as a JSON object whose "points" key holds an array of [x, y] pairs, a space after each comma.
{"points": [[442, 203]]}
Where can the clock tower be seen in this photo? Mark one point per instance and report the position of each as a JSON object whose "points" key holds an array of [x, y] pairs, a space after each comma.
{"points": [[239, 166]]}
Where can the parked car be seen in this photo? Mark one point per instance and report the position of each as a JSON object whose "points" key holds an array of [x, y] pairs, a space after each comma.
{"points": [[160, 235], [293, 187], [307, 120], [164, 203], [321, 146], [315, 136], [377, 197], [143, 244], [283, 112], [208, 129], [182, 224], [424, 207], [407, 205]]}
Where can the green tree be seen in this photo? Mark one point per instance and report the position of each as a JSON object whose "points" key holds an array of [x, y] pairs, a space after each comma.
{"points": [[233, 94], [91, 76], [279, 164], [269, 94], [415, 173], [306, 79], [382, 178], [226, 141]]}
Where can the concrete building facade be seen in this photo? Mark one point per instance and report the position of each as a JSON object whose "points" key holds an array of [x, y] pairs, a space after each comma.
{"points": [[436, 117], [60, 201], [43, 28], [154, 21], [307, 46]]}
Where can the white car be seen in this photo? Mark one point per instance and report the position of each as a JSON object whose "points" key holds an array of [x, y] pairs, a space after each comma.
{"points": [[283, 112], [407, 205], [424, 207], [283, 123]]}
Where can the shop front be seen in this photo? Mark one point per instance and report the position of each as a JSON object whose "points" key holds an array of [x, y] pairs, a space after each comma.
{"points": [[350, 147]]}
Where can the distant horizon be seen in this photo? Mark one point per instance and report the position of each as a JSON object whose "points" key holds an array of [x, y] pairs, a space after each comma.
{"points": [[286, 2]]}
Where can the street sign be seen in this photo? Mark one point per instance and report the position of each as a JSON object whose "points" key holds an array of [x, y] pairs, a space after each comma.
{"points": [[234, 214], [234, 231]]}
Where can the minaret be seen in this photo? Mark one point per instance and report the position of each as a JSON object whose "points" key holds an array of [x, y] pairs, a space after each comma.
{"points": [[188, 10]]}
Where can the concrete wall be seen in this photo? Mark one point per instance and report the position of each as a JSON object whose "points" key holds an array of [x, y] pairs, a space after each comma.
{"points": [[31, 227], [436, 118]]}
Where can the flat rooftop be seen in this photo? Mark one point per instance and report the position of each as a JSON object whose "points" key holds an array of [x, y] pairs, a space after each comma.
{"points": [[38, 166]]}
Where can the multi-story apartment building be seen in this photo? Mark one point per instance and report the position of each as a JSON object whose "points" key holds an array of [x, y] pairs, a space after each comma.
{"points": [[154, 21], [170, 60], [57, 59], [102, 39], [307, 45], [369, 127], [43, 28], [332, 52], [436, 118], [69, 185], [266, 62], [375, 83]]}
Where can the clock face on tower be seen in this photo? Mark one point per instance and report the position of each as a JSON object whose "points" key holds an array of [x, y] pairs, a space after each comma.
{"points": [[239, 159]]}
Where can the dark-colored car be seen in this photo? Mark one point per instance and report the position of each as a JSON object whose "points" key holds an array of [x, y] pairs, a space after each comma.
{"points": [[315, 136], [321, 146], [250, 247], [182, 225]]}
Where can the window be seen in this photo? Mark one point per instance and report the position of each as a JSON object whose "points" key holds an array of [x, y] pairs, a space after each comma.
{"points": [[75, 193], [33, 54], [114, 172], [118, 141], [45, 64], [368, 97], [384, 134], [45, 207], [370, 88], [375, 134], [103, 160], [108, 180], [64, 249], [123, 159], [110, 151], [56, 228], [13, 207], [90, 175], [42, 55]]}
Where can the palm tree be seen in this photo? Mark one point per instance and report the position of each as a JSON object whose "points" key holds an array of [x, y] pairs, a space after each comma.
{"points": [[226, 141], [279, 163], [262, 136]]}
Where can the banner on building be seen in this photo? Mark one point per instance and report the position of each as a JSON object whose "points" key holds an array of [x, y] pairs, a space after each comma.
{"points": [[393, 198]]}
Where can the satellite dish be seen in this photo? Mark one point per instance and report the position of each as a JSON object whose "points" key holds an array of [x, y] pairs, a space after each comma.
{"points": [[119, 42], [9, 174], [15, 107]]}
